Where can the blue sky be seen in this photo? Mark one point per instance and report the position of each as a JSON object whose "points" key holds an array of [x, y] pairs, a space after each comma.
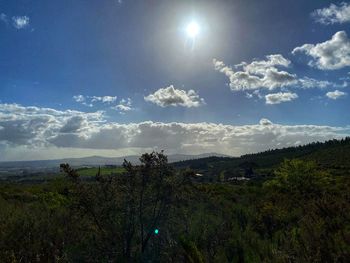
{"points": [[130, 68]]}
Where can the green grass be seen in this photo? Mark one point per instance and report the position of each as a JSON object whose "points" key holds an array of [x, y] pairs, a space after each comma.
{"points": [[104, 171]]}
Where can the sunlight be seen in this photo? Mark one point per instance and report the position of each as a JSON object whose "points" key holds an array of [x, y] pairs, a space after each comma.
{"points": [[192, 29]]}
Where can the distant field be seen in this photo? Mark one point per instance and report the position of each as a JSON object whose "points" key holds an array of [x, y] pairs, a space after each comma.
{"points": [[104, 171], [47, 176]]}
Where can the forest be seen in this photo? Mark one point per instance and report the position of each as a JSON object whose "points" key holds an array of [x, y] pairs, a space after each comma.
{"points": [[295, 209]]}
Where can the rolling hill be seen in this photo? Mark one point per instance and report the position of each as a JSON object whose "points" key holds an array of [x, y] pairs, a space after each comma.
{"points": [[93, 161], [333, 154]]}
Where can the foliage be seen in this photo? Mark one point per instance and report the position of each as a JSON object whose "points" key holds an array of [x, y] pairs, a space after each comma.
{"points": [[301, 213], [103, 171], [123, 211], [333, 154]]}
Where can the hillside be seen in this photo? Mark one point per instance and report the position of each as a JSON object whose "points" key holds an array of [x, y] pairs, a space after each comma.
{"points": [[302, 212], [333, 154], [93, 161]]}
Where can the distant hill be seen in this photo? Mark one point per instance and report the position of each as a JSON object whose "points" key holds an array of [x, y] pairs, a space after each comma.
{"points": [[333, 154], [92, 161]]}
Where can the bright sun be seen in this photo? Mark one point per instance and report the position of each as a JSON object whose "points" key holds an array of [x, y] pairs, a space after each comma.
{"points": [[192, 29]]}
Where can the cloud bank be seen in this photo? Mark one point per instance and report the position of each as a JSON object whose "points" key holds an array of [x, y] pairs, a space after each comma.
{"points": [[45, 128]]}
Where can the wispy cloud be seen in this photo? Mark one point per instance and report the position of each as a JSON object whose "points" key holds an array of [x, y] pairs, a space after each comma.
{"points": [[3, 18], [79, 98], [277, 98], [333, 14], [104, 99], [82, 100], [123, 106], [90, 100], [309, 83], [20, 22]]}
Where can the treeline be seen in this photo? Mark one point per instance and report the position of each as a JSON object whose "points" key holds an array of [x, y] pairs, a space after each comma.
{"points": [[154, 213], [301, 150], [328, 154]]}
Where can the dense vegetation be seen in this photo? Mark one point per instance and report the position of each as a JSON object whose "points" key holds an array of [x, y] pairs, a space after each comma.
{"points": [[153, 212], [332, 155]]}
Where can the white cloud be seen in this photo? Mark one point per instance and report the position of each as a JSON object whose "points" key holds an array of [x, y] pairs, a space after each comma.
{"points": [[20, 22], [264, 74], [89, 100], [329, 55], [79, 98], [171, 96], [123, 106], [104, 99], [83, 100], [333, 14], [258, 74], [308, 83], [335, 94], [33, 128], [277, 98], [265, 122]]}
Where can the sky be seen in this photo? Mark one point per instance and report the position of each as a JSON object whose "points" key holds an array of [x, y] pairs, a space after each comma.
{"points": [[121, 77]]}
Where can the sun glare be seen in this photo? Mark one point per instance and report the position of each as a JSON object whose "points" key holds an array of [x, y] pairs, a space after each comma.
{"points": [[192, 29]]}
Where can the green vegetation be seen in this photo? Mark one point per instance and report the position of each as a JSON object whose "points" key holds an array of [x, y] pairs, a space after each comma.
{"points": [[298, 212], [332, 155], [103, 170]]}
